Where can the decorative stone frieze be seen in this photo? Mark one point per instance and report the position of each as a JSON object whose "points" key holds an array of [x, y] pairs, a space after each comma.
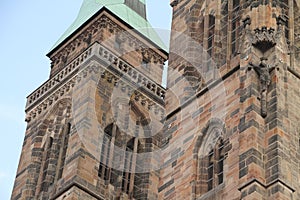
{"points": [[264, 38], [132, 74], [146, 92], [96, 28], [56, 80], [134, 94], [58, 94]]}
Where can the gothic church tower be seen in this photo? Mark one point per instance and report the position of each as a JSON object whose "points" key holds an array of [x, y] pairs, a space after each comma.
{"points": [[226, 127], [84, 122], [236, 119]]}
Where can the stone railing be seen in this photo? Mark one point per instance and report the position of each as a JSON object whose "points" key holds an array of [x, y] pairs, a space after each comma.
{"points": [[129, 72], [56, 80], [148, 92]]}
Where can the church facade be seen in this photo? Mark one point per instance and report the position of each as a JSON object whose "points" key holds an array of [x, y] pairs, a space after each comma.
{"points": [[226, 126]]}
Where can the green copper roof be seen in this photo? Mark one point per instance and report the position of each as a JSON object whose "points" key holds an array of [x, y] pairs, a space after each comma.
{"points": [[133, 12]]}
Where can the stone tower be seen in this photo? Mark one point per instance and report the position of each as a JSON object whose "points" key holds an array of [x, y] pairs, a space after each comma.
{"points": [[85, 123], [233, 68], [226, 127]]}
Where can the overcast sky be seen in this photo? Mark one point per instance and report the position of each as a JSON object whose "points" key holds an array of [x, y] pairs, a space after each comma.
{"points": [[28, 31]]}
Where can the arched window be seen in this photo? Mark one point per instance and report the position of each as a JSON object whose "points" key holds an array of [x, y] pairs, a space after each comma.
{"points": [[45, 179], [116, 152], [106, 150], [127, 179], [211, 154], [53, 134], [223, 40], [54, 158], [215, 166], [63, 150]]}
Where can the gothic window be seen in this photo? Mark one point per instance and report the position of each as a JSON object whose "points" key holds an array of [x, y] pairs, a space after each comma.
{"points": [[105, 158], [297, 28], [210, 148], [211, 34], [45, 182], [215, 166], [223, 33], [235, 26], [210, 40], [127, 173], [285, 12], [114, 153], [53, 149], [201, 27], [63, 150]]}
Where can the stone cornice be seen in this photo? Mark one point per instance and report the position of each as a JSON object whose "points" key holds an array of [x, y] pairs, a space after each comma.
{"points": [[96, 28], [148, 93], [132, 75], [56, 81]]}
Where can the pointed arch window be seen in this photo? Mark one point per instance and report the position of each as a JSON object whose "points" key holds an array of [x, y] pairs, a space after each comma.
{"points": [[215, 166], [47, 158], [54, 158], [130, 157], [223, 40], [113, 153], [212, 152], [63, 150], [106, 149]]}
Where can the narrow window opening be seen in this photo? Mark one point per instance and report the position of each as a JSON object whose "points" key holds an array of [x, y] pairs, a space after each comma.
{"points": [[215, 166], [122, 178], [63, 150], [220, 164], [45, 183], [104, 170], [128, 166], [210, 171], [235, 26], [211, 34]]}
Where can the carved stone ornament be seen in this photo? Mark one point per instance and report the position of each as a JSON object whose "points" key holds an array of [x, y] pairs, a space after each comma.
{"points": [[213, 132], [264, 38], [263, 71]]}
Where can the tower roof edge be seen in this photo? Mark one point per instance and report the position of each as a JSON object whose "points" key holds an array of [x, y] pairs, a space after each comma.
{"points": [[132, 12]]}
